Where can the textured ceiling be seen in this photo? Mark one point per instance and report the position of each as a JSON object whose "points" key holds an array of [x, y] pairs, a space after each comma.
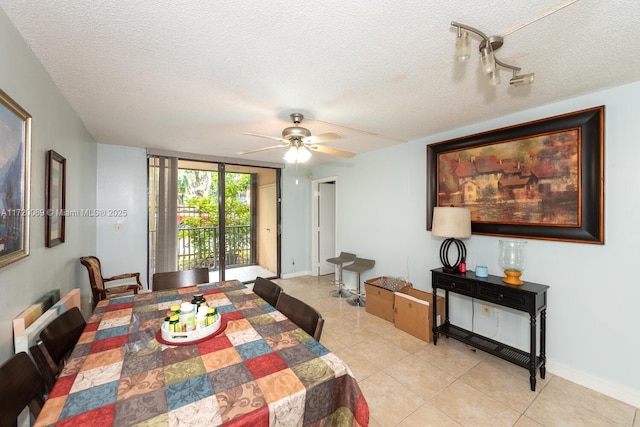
{"points": [[192, 75]]}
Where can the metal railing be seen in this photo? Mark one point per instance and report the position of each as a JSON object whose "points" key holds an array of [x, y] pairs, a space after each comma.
{"points": [[199, 247]]}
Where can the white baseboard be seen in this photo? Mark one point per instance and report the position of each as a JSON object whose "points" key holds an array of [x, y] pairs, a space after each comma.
{"points": [[295, 274], [616, 391]]}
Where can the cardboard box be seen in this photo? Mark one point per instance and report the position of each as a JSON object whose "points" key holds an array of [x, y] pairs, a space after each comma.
{"points": [[413, 312], [379, 295]]}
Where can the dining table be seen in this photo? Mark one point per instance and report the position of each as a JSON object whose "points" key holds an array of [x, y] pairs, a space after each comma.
{"points": [[258, 369]]}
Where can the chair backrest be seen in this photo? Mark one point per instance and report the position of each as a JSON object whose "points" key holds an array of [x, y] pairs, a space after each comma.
{"points": [[95, 275], [57, 340], [267, 290], [302, 314], [61, 335], [22, 386], [179, 279]]}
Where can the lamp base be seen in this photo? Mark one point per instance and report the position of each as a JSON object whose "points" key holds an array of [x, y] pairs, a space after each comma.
{"points": [[513, 277], [447, 265]]}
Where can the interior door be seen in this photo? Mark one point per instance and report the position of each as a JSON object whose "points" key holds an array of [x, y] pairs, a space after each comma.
{"points": [[326, 226]]}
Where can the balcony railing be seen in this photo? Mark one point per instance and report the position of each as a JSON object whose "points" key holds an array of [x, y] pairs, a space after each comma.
{"points": [[199, 247]]}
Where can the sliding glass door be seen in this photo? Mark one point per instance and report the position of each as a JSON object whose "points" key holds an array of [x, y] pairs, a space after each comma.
{"points": [[234, 236], [250, 223]]}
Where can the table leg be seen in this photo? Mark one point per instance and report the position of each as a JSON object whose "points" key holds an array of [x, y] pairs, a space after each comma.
{"points": [[543, 340], [532, 341], [434, 326]]}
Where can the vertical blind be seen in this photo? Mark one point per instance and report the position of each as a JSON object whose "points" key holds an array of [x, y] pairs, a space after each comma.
{"points": [[163, 197]]}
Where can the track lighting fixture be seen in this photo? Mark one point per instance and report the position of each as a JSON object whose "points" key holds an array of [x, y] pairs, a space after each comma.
{"points": [[489, 64]]}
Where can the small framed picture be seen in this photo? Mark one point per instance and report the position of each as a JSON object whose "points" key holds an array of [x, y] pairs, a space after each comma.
{"points": [[56, 203]]}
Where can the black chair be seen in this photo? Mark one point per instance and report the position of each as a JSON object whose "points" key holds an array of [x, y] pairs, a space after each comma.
{"points": [[302, 314], [267, 290], [21, 386], [57, 340], [180, 279]]}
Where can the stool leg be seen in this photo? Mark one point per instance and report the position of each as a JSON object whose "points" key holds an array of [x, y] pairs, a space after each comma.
{"points": [[340, 292], [358, 299]]}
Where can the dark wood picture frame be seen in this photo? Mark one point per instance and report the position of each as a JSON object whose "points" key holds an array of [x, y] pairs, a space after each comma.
{"points": [[15, 171], [540, 180], [56, 199]]}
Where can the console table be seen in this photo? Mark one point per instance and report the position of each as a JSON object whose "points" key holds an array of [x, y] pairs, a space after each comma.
{"points": [[529, 297]]}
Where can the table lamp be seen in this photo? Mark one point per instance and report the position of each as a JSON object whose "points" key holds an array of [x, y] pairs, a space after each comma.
{"points": [[453, 224]]}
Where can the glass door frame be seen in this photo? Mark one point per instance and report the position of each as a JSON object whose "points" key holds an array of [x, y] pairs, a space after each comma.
{"points": [[221, 169]]}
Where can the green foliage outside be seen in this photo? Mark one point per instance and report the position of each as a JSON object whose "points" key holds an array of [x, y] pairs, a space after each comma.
{"points": [[198, 191]]}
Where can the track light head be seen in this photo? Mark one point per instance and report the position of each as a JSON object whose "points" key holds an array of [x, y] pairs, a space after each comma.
{"points": [[523, 79], [463, 52]]}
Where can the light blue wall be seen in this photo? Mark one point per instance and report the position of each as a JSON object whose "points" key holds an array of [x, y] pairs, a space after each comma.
{"points": [[593, 314], [381, 215], [122, 201], [54, 126], [296, 221]]}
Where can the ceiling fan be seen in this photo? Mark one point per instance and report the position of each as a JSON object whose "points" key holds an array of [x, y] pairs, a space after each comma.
{"points": [[300, 142]]}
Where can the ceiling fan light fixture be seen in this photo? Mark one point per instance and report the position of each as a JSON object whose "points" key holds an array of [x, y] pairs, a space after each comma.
{"points": [[297, 154], [303, 155], [299, 142]]}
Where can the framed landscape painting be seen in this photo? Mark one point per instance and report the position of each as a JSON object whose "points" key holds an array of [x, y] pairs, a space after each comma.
{"points": [[540, 180], [15, 160]]}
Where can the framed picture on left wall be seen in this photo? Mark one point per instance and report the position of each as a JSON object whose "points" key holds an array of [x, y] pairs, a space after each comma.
{"points": [[56, 195], [15, 165]]}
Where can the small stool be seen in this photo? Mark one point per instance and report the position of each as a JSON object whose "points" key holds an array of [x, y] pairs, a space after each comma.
{"points": [[359, 265], [339, 261]]}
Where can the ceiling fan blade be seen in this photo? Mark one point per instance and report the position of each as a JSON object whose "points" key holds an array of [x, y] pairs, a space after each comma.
{"points": [[331, 150], [275, 138], [379, 135], [323, 137], [257, 150]]}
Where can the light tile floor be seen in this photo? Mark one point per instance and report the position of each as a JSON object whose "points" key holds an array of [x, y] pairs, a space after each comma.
{"points": [[408, 382], [243, 274]]}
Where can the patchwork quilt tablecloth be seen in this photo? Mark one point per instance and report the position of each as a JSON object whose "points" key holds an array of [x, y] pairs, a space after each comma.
{"points": [[262, 370]]}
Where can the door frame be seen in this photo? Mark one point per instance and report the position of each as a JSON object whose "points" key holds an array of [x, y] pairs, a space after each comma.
{"points": [[315, 189]]}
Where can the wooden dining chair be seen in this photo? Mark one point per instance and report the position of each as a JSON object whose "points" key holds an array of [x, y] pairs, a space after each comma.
{"points": [[57, 340], [21, 385], [267, 290], [302, 314], [98, 282], [180, 279]]}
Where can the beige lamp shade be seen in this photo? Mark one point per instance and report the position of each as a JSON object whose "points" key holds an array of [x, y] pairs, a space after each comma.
{"points": [[451, 222]]}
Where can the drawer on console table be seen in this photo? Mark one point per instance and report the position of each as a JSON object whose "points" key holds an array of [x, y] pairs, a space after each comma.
{"points": [[458, 286], [504, 296]]}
